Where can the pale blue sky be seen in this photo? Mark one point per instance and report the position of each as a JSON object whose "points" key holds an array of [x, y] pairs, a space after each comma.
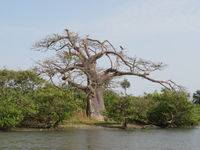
{"points": [[159, 30]]}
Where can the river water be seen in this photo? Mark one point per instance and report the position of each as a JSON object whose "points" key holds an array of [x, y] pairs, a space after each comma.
{"points": [[102, 139]]}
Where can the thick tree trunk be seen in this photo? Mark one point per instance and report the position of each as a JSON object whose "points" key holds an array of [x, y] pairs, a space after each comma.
{"points": [[96, 105]]}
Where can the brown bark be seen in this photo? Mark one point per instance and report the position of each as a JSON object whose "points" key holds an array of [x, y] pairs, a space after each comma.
{"points": [[96, 105]]}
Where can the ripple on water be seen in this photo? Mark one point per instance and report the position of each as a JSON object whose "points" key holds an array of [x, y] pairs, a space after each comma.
{"points": [[100, 139]]}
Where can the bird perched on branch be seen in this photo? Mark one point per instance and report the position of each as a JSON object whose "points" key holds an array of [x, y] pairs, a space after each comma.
{"points": [[121, 47]]}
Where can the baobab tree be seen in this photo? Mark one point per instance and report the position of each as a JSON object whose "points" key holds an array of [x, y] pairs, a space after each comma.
{"points": [[76, 62]]}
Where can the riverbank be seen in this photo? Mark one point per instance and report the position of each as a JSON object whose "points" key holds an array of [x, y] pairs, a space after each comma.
{"points": [[86, 125], [114, 125]]}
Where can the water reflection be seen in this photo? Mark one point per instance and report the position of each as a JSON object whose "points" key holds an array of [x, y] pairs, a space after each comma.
{"points": [[100, 139], [93, 140]]}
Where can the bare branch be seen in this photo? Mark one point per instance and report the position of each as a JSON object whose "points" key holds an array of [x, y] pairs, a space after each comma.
{"points": [[77, 85], [76, 54], [86, 46]]}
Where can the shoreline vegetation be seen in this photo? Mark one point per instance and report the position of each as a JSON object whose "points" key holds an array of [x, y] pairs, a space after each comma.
{"points": [[27, 101], [85, 125], [88, 126]]}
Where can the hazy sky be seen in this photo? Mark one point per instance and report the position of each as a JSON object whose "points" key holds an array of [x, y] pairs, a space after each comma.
{"points": [[157, 30]]}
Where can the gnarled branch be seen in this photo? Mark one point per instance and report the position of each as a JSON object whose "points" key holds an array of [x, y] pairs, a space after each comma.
{"points": [[76, 53]]}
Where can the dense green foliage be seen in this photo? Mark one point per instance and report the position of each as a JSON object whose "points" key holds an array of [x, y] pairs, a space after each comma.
{"points": [[10, 113], [54, 104], [27, 100], [16, 89], [125, 109], [26, 81], [121, 110], [172, 109], [109, 98], [165, 109], [142, 107]]}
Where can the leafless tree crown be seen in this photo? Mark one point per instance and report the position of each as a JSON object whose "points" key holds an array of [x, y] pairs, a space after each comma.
{"points": [[76, 61]]}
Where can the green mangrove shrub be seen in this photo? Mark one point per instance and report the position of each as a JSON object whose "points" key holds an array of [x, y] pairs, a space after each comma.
{"points": [[172, 109]]}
